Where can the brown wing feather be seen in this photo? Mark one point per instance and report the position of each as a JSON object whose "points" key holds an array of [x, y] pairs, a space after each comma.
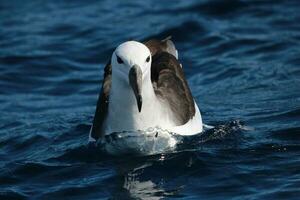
{"points": [[170, 85], [102, 104], [158, 46]]}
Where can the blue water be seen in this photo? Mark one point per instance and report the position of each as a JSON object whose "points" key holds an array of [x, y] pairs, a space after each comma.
{"points": [[241, 59]]}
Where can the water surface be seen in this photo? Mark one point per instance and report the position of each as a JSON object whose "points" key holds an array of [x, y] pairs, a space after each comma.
{"points": [[241, 59]]}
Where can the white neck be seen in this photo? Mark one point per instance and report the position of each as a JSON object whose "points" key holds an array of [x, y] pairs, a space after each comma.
{"points": [[123, 114]]}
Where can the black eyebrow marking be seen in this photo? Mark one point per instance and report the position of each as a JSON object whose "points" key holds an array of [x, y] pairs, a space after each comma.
{"points": [[148, 59], [119, 60]]}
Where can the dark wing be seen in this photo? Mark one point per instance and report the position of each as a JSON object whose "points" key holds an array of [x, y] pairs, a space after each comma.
{"points": [[102, 104], [158, 46], [168, 80]]}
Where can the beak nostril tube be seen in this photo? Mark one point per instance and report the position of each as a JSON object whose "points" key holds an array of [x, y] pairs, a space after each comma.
{"points": [[135, 80]]}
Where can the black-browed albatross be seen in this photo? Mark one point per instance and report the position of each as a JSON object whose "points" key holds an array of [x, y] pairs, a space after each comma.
{"points": [[144, 86]]}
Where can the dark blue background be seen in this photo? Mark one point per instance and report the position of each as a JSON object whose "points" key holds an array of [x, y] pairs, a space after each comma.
{"points": [[241, 59]]}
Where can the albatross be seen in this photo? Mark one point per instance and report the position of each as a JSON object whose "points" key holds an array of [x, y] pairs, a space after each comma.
{"points": [[144, 86]]}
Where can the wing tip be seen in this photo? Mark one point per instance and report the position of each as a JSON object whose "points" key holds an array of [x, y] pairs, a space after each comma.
{"points": [[169, 37], [170, 46], [91, 138]]}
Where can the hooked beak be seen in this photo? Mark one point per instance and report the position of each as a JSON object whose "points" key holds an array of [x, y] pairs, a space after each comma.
{"points": [[135, 80]]}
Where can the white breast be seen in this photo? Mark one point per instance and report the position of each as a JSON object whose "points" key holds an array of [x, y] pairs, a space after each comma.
{"points": [[123, 114]]}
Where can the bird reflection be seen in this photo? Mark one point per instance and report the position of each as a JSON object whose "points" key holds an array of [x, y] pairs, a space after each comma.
{"points": [[135, 183]]}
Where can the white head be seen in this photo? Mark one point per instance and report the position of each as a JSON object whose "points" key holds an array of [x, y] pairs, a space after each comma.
{"points": [[131, 62]]}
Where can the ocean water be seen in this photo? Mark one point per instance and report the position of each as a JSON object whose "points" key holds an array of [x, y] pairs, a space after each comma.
{"points": [[242, 62]]}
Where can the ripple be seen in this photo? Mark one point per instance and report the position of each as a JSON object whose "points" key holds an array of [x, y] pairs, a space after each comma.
{"points": [[179, 34], [12, 195], [241, 59], [215, 8], [290, 134]]}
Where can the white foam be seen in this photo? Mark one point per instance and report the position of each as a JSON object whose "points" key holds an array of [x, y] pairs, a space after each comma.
{"points": [[148, 142]]}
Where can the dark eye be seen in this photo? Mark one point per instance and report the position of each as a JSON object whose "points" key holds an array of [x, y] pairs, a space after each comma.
{"points": [[148, 59], [120, 61]]}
